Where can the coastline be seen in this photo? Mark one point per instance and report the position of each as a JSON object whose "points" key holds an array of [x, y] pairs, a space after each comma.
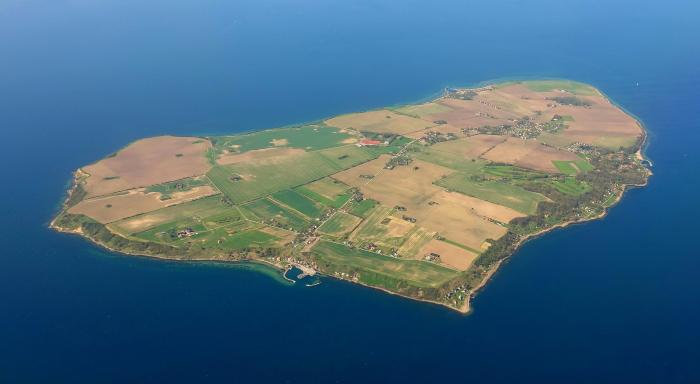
{"points": [[282, 268]]}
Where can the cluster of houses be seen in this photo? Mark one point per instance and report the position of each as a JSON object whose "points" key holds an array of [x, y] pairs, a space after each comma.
{"points": [[582, 148], [410, 219], [433, 137], [187, 232], [400, 159], [432, 256]]}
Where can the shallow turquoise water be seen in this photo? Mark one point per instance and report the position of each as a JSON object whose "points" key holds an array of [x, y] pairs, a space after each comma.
{"points": [[609, 301]]}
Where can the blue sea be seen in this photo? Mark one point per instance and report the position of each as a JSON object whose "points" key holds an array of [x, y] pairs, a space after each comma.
{"points": [[611, 301]]}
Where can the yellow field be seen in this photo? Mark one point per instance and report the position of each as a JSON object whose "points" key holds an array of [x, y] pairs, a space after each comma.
{"points": [[327, 187], [469, 147], [451, 255], [471, 114], [459, 218], [382, 121]]}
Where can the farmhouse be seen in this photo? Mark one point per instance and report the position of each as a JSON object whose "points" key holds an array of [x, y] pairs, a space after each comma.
{"points": [[368, 143]]}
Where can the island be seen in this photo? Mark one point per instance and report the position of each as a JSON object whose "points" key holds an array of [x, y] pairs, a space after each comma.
{"points": [[425, 200]]}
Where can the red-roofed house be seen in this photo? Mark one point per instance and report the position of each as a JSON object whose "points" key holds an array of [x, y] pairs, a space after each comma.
{"points": [[367, 142]]}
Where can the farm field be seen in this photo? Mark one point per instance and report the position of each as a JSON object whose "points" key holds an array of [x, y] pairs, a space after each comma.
{"points": [[385, 271], [382, 121], [363, 208], [528, 154], [421, 200], [497, 192], [196, 209], [107, 209], [451, 255], [450, 160], [572, 167], [147, 162], [265, 210], [327, 191], [555, 85], [571, 186], [261, 179], [309, 137], [298, 202], [422, 110], [339, 224]]}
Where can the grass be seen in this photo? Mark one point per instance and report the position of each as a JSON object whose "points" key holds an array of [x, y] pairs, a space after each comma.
{"points": [[371, 227], [310, 137], [568, 85], [584, 165], [165, 233], [451, 160], [248, 239], [337, 202], [327, 191], [571, 186], [166, 189], [512, 173], [226, 217], [565, 167], [415, 240], [264, 209], [363, 208], [572, 167], [339, 224], [460, 245], [194, 209], [377, 231], [377, 270], [421, 110], [498, 192], [263, 179], [298, 202]]}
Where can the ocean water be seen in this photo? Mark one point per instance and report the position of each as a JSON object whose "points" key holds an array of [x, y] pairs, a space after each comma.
{"points": [[615, 300]]}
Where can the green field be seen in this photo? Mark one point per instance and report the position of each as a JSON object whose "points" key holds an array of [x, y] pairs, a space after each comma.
{"points": [[298, 202], [288, 173], [363, 208], [554, 85], [177, 186], [264, 209], [375, 229], [513, 173], [226, 217], [165, 233], [248, 239], [337, 202], [378, 270], [498, 192], [421, 110], [310, 137], [327, 191], [572, 167], [339, 224], [451, 160], [571, 186], [415, 240], [371, 228]]}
